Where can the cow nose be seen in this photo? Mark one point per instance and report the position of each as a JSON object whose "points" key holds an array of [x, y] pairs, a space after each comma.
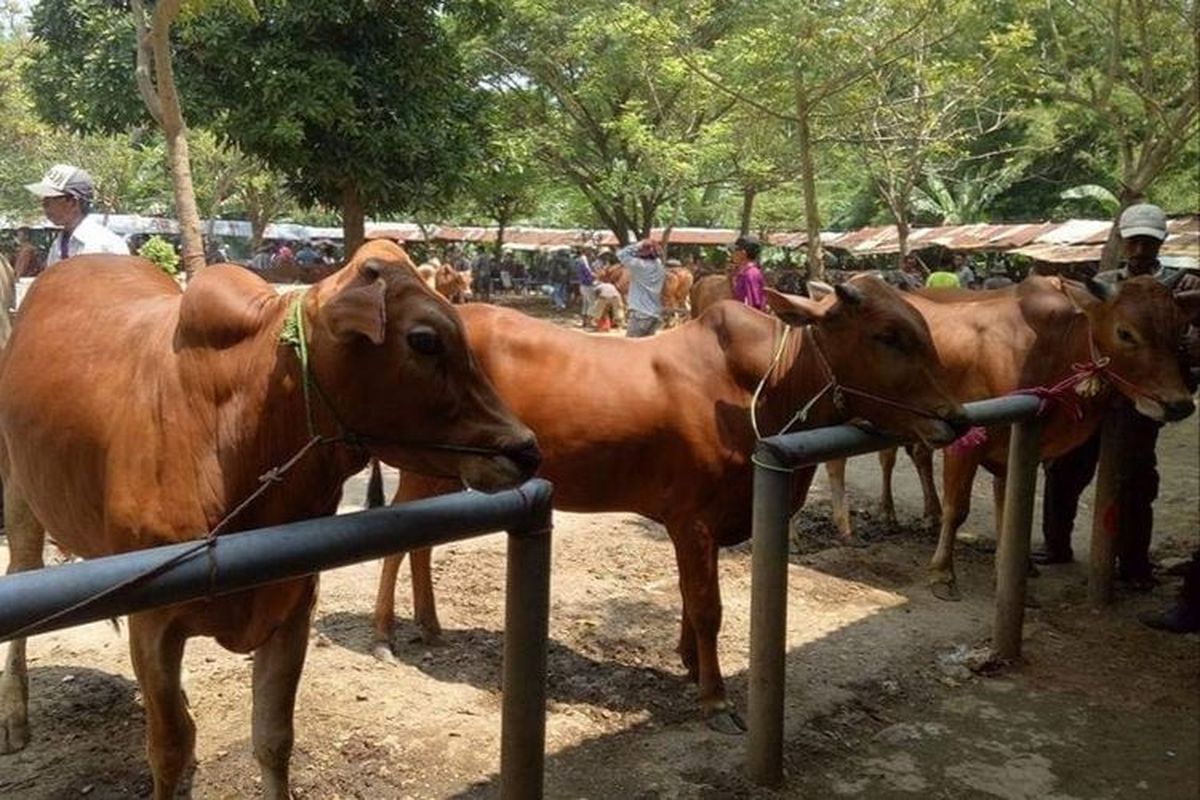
{"points": [[1180, 409], [525, 455]]}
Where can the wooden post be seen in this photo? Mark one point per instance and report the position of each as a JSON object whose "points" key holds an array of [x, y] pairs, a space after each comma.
{"points": [[768, 621], [1104, 515], [1012, 554]]}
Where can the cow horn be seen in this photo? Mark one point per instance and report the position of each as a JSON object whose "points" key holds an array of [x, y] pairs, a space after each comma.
{"points": [[818, 290], [1101, 289], [850, 295]]}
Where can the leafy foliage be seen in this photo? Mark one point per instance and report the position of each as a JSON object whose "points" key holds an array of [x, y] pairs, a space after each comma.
{"points": [[162, 253], [363, 94]]}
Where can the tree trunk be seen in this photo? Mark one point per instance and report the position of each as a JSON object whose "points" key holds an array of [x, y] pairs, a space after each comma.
{"points": [[170, 118], [501, 229], [808, 183], [748, 195], [353, 220], [1110, 256]]}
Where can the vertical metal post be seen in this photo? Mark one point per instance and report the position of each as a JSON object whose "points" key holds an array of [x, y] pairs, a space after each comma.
{"points": [[1104, 515], [1012, 554], [526, 632], [768, 619]]}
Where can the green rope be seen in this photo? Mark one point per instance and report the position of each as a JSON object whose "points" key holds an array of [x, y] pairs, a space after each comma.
{"points": [[292, 335]]}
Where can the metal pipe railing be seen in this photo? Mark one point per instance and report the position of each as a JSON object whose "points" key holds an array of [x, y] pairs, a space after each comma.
{"points": [[775, 458], [34, 602]]}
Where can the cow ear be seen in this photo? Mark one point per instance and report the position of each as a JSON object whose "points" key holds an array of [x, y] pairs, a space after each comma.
{"points": [[794, 310], [819, 290], [359, 309], [1189, 303]]}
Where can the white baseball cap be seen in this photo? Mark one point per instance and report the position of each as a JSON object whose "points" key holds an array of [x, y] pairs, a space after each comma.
{"points": [[63, 180], [1143, 219]]}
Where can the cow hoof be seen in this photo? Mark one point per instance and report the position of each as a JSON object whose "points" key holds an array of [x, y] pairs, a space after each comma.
{"points": [[726, 721], [945, 589], [383, 652], [14, 733], [931, 523], [428, 639]]}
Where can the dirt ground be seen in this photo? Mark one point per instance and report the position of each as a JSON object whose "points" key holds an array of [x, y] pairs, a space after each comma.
{"points": [[880, 704]]}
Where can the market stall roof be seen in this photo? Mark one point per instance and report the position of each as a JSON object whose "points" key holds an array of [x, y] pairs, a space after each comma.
{"points": [[452, 233], [1081, 242], [398, 231], [708, 237]]}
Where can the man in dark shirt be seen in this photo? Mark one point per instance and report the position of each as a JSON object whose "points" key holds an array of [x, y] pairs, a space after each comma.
{"points": [[1143, 229]]}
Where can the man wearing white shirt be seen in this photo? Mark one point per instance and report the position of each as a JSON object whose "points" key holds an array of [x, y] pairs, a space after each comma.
{"points": [[66, 194]]}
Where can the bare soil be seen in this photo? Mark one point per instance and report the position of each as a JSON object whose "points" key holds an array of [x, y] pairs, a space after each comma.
{"points": [[880, 703]]}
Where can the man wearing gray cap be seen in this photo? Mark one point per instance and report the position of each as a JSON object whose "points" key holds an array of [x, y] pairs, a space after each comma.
{"points": [[66, 194], [1143, 229]]}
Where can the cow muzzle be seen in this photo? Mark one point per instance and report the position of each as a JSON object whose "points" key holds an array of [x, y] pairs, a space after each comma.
{"points": [[513, 463]]}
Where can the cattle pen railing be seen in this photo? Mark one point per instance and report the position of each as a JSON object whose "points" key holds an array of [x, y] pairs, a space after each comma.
{"points": [[775, 460], [43, 600]]}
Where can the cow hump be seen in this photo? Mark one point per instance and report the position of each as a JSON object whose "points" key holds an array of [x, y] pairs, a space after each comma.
{"points": [[224, 305]]}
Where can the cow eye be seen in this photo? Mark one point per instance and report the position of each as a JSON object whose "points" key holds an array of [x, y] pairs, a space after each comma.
{"points": [[890, 339], [1126, 336], [426, 342]]}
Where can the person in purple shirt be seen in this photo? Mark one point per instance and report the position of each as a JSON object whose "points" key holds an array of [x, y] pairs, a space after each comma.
{"points": [[747, 276]]}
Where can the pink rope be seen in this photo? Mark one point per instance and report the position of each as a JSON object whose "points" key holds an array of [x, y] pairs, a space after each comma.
{"points": [[1062, 392]]}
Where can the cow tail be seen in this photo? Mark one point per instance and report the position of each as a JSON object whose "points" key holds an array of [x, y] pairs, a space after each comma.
{"points": [[375, 486]]}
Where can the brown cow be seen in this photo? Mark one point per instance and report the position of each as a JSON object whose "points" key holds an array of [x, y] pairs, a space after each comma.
{"points": [[1001, 341], [676, 293], [670, 436], [134, 415], [708, 291]]}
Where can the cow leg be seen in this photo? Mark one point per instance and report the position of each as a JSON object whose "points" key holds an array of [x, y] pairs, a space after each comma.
{"points": [[922, 458], [687, 646], [887, 503], [156, 649], [696, 555], [958, 475], [278, 663], [25, 539], [424, 604], [835, 470], [385, 609]]}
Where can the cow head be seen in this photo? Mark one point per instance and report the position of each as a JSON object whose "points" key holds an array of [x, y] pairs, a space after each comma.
{"points": [[878, 344], [1138, 325], [391, 357]]}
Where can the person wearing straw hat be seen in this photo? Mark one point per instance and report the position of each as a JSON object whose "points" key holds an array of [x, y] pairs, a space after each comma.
{"points": [[66, 192]]}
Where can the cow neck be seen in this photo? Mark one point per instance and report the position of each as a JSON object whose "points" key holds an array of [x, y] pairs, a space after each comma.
{"points": [[806, 358], [833, 389]]}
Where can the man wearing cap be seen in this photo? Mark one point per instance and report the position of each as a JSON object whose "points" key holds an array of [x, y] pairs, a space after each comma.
{"points": [[645, 287], [747, 276], [1143, 228], [66, 194]]}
